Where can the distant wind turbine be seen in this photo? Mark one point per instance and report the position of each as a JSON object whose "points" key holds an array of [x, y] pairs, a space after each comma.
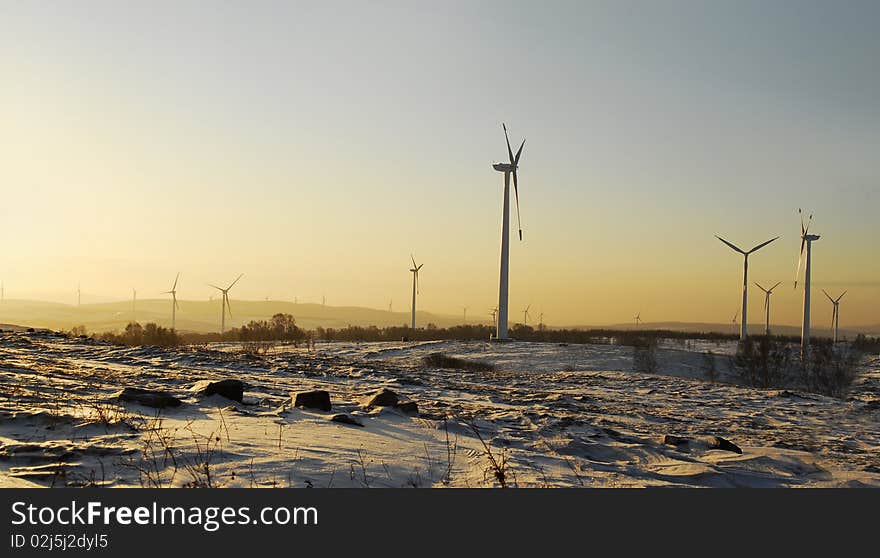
{"points": [[464, 318], [494, 314], [745, 289], [224, 303], [508, 169], [733, 321], [835, 315], [389, 306], [415, 271], [767, 293], [526, 315], [78, 295], [638, 319], [174, 306], [806, 241]]}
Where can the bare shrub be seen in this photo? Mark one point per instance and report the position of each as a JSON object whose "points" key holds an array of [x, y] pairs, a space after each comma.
{"points": [[644, 354]]}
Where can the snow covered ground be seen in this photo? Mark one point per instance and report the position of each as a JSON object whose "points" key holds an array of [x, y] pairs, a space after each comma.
{"points": [[548, 415]]}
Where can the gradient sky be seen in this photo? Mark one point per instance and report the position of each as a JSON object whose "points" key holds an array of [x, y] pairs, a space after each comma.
{"points": [[314, 145]]}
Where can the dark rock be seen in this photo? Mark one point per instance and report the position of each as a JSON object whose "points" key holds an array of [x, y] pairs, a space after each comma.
{"points": [[317, 399], [408, 407], [719, 443], [150, 398], [230, 389], [382, 398], [671, 440], [346, 419]]}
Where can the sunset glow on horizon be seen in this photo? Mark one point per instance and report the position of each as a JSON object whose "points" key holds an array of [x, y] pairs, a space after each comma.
{"points": [[314, 147]]}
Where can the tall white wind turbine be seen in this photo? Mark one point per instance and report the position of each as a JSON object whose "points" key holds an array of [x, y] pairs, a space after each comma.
{"points": [[745, 289], [767, 293], [835, 315], [224, 303], [806, 242], [174, 306], [508, 169], [415, 271]]}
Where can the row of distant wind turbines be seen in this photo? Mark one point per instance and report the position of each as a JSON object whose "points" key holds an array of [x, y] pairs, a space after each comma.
{"points": [[500, 313], [807, 240]]}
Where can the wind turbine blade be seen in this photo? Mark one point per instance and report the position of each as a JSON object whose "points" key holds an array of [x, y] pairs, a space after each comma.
{"points": [[234, 282], [215, 286], [518, 153], [174, 286], [841, 296], [509, 151], [228, 307], [759, 246], [797, 272], [413, 260], [774, 286], [420, 267], [731, 245], [760, 287], [516, 195], [829, 296]]}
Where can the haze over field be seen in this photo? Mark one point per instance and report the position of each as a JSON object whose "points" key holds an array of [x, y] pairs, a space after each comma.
{"points": [[314, 146]]}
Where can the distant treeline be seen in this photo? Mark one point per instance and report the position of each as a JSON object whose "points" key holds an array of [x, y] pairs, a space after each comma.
{"points": [[282, 327]]}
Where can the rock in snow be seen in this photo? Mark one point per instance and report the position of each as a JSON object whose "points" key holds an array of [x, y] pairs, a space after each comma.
{"points": [[148, 397], [382, 398], [346, 419], [719, 443], [230, 389], [316, 399]]}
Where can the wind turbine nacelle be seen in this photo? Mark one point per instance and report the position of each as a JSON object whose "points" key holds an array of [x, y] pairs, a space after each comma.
{"points": [[811, 237], [503, 167]]}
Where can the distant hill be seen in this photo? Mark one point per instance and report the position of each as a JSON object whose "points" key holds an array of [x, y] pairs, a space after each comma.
{"points": [[202, 316], [753, 329]]}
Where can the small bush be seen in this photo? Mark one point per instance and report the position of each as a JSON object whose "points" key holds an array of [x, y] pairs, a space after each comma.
{"points": [[439, 360], [764, 363]]}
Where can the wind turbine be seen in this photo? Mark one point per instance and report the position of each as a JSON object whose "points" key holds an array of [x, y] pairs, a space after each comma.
{"points": [[174, 305], [526, 315], [767, 293], [224, 303], [494, 314], [733, 321], [835, 315], [415, 271], [389, 305], [508, 169], [806, 241], [638, 319], [745, 296], [78, 294], [464, 318]]}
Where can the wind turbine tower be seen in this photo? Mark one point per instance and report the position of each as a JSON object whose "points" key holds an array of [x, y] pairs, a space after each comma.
{"points": [[745, 289], [807, 240], [508, 169], [174, 306], [835, 315], [415, 271], [224, 303], [767, 293]]}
